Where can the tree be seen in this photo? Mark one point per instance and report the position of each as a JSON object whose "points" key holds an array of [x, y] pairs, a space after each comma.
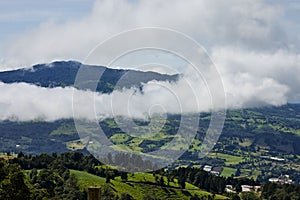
{"points": [[125, 196], [234, 196], [107, 179], [39, 194], [13, 185], [156, 178], [33, 175], [54, 155], [124, 176], [71, 189], [181, 182], [20, 154], [195, 197], [47, 179], [107, 193], [169, 179], [149, 197], [238, 172], [161, 181], [238, 188]]}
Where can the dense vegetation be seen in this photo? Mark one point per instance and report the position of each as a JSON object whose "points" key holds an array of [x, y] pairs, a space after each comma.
{"points": [[52, 180], [67, 176], [277, 191]]}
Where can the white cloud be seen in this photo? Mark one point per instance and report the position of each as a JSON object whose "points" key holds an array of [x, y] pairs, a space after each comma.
{"points": [[251, 24], [22, 101], [281, 66]]}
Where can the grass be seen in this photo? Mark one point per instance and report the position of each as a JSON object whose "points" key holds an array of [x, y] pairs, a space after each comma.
{"points": [[119, 138], [230, 159], [147, 177], [86, 180], [139, 185], [134, 145], [75, 145], [122, 148], [196, 145], [246, 143], [228, 171], [285, 129], [255, 174], [64, 129]]}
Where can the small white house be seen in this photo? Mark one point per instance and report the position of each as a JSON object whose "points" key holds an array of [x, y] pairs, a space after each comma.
{"points": [[246, 188], [249, 188], [229, 189], [215, 173], [207, 168], [283, 179]]}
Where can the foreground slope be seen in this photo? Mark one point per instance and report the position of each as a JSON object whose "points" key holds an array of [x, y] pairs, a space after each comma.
{"points": [[140, 185]]}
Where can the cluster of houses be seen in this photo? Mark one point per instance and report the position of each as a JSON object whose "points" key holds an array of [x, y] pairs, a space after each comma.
{"points": [[245, 188], [215, 171], [283, 179], [229, 188]]}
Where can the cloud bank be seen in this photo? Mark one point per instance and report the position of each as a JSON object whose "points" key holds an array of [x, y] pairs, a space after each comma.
{"points": [[23, 102]]}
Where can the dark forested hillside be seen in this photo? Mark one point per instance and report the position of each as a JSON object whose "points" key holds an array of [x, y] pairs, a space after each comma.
{"points": [[64, 73]]}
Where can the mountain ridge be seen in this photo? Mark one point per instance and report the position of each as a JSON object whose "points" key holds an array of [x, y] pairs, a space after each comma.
{"points": [[63, 73]]}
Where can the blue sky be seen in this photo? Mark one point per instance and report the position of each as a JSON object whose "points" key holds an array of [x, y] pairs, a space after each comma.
{"points": [[17, 16]]}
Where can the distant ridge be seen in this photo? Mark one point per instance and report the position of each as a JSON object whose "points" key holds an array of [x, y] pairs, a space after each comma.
{"points": [[63, 73]]}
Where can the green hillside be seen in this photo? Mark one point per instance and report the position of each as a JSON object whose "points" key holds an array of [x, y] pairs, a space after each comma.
{"points": [[140, 185], [69, 175]]}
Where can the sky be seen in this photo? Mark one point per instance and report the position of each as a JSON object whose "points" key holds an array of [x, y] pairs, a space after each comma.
{"points": [[254, 44], [18, 17], [256, 25]]}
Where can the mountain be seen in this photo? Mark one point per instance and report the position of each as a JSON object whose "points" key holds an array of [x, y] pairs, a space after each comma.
{"points": [[63, 73]]}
